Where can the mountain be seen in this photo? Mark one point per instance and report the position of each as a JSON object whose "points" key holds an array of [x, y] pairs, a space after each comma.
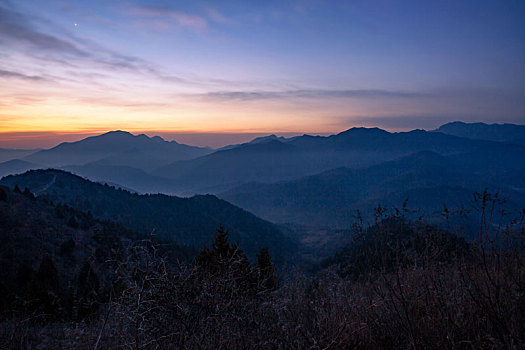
{"points": [[16, 166], [188, 221], [128, 177], [285, 160], [261, 139], [494, 132], [117, 148], [10, 154], [427, 179], [134, 179], [270, 161]]}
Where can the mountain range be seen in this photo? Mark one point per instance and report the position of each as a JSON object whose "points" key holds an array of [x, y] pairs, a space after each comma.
{"points": [[283, 160], [319, 180]]}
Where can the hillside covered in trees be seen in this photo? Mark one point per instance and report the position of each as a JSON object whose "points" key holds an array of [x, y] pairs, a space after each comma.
{"points": [[187, 221]]}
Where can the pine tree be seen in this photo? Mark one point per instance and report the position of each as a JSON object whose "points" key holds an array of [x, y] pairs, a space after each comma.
{"points": [[225, 259], [220, 243], [28, 193], [72, 222], [266, 279]]}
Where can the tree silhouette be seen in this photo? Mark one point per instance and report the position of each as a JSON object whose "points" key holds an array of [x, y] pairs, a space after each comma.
{"points": [[266, 279], [226, 260]]}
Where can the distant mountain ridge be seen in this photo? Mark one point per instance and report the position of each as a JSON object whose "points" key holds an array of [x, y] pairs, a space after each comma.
{"points": [[7, 154], [283, 160], [482, 131], [427, 179], [16, 166], [117, 148], [151, 164]]}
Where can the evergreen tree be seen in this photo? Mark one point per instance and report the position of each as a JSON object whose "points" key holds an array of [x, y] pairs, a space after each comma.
{"points": [[225, 259], [28, 193], [72, 222], [266, 279], [220, 243], [17, 189]]}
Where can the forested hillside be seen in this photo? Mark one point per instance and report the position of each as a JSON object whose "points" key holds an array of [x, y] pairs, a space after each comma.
{"points": [[188, 221]]}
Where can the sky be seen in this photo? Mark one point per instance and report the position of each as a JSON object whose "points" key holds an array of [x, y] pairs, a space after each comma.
{"points": [[218, 72]]}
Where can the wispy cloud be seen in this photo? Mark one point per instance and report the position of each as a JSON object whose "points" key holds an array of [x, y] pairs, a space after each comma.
{"points": [[18, 31], [311, 93], [181, 18], [15, 75], [26, 35], [216, 16], [16, 28]]}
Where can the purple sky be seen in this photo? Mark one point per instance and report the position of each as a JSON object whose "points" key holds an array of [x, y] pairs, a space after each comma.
{"points": [[233, 69]]}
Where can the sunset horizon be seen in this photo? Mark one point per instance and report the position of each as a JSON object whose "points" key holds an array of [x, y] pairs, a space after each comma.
{"points": [[211, 139], [231, 68]]}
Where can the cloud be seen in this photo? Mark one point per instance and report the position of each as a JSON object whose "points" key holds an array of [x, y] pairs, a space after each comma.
{"points": [[48, 48], [15, 27], [16, 75], [311, 93], [22, 34], [181, 18], [216, 16], [18, 31]]}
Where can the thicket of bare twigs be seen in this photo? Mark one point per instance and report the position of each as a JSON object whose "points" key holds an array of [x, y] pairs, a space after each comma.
{"points": [[415, 299]]}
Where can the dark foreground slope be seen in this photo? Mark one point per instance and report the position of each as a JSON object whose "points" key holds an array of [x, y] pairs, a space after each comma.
{"points": [[189, 221], [400, 286], [52, 257]]}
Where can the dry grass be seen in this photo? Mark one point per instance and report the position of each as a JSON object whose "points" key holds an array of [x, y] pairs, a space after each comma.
{"points": [[472, 301]]}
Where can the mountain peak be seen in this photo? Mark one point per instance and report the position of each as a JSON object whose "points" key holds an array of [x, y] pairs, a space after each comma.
{"points": [[363, 131], [268, 138], [116, 132]]}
